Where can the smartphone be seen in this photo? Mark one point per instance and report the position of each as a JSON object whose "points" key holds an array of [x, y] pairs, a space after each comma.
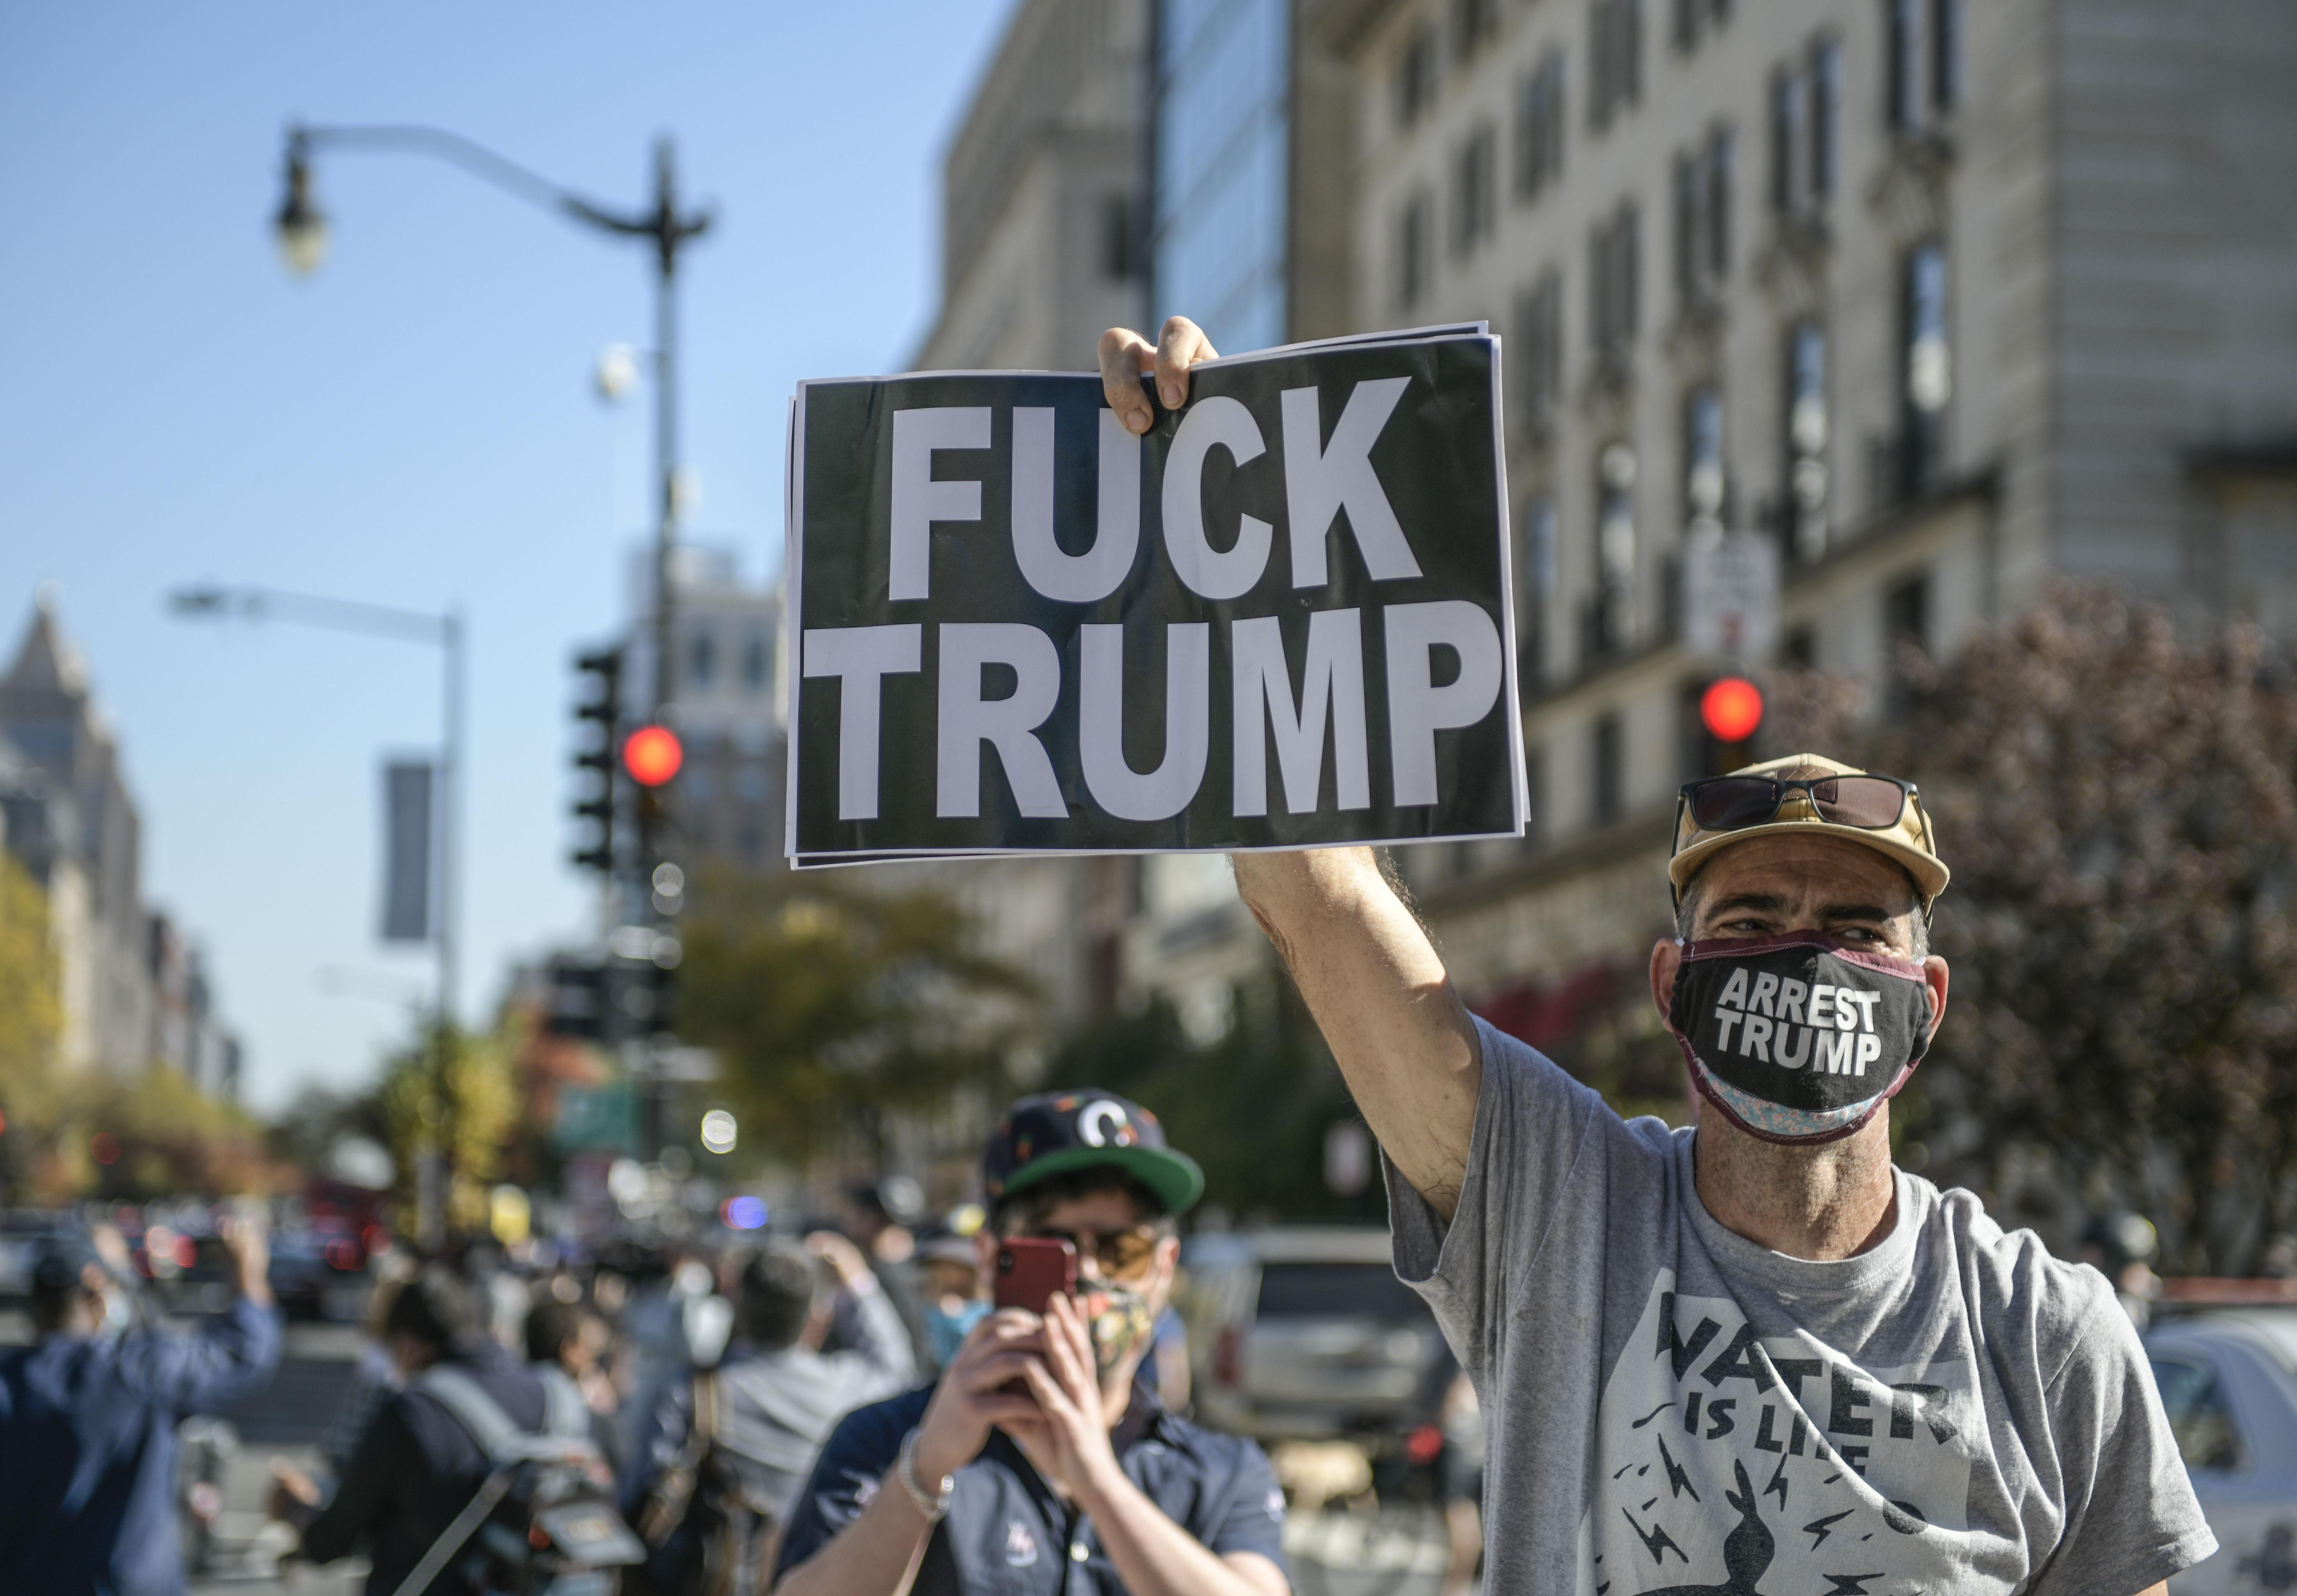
{"points": [[1032, 1269]]}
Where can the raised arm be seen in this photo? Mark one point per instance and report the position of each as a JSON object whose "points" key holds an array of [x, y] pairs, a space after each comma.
{"points": [[1401, 1034]]}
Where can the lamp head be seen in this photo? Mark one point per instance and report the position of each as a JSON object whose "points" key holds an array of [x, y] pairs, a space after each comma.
{"points": [[197, 601], [301, 226]]}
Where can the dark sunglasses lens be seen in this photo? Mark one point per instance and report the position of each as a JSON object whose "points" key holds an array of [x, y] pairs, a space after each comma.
{"points": [[1733, 801], [1864, 801], [1125, 1252]]}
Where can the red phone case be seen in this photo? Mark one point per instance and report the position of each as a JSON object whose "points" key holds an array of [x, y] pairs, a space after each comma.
{"points": [[1033, 1269]]}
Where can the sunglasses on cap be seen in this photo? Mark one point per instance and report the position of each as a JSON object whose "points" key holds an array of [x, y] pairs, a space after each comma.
{"points": [[1735, 802]]}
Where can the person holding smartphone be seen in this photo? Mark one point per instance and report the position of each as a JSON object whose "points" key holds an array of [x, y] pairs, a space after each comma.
{"points": [[1037, 1462]]}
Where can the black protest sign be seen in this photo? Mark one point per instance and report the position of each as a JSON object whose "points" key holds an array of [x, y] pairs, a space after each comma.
{"points": [[1279, 620]]}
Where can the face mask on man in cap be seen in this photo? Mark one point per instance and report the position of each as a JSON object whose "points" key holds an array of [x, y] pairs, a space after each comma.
{"points": [[1802, 1037]]}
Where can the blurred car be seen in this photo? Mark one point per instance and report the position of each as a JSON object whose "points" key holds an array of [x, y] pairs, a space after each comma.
{"points": [[318, 1272], [2228, 1381], [24, 1234], [1304, 1333]]}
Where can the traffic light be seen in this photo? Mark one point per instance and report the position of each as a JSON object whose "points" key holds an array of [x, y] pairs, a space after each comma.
{"points": [[1720, 719], [1730, 709], [638, 983], [651, 755], [577, 998], [604, 670]]}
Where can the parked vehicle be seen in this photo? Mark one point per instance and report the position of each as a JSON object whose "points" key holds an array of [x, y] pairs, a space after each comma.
{"points": [[2228, 1381], [24, 1232], [1304, 1333]]}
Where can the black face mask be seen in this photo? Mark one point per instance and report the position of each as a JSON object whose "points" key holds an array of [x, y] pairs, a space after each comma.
{"points": [[1798, 1038]]}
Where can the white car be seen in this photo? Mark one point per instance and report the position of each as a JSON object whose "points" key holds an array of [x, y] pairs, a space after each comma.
{"points": [[2228, 1380], [1304, 1333]]}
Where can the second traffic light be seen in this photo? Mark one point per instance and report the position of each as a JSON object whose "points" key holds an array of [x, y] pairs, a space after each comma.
{"points": [[603, 708]]}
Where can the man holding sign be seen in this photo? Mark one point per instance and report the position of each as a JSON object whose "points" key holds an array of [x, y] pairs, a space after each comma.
{"points": [[1754, 1356]]}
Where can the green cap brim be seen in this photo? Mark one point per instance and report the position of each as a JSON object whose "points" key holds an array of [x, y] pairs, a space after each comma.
{"points": [[1173, 1176]]}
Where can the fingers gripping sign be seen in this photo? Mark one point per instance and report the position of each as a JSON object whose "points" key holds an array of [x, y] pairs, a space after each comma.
{"points": [[1126, 357]]}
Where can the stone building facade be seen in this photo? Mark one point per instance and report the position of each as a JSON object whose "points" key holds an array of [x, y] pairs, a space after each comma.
{"points": [[1943, 297]]}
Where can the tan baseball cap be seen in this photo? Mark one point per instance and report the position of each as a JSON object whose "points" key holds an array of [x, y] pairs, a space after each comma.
{"points": [[1909, 844]]}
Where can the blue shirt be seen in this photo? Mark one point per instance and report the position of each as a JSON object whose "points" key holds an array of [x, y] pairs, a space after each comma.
{"points": [[1006, 1533], [87, 1449]]}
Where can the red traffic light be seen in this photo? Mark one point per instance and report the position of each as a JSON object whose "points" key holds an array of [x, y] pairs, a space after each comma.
{"points": [[651, 755], [1730, 709]]}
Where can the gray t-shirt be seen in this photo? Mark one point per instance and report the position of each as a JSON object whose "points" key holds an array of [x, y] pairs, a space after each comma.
{"points": [[1670, 1407]]}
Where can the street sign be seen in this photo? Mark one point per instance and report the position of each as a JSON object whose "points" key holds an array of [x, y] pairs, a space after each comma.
{"points": [[1731, 594], [596, 1118], [407, 869]]}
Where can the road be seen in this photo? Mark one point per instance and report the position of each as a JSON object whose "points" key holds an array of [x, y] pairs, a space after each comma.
{"points": [[1399, 1553], [283, 1421]]}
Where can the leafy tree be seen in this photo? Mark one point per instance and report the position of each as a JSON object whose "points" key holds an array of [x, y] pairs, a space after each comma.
{"points": [[153, 1134], [2119, 805], [830, 1004], [30, 1016], [1253, 1107], [464, 1111]]}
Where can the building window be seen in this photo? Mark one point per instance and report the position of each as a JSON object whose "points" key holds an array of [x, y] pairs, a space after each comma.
{"points": [[1946, 53], [1473, 24], [1704, 482], [1609, 626], [1607, 766], [1539, 125], [1702, 219], [1538, 366], [1922, 61], [750, 782], [1218, 211], [1416, 77], [701, 660], [1615, 47], [1906, 625], [755, 667], [1926, 371], [1695, 19], [1538, 586], [1415, 265], [1116, 240], [1805, 106], [1475, 190], [1787, 110], [1825, 115], [1907, 612], [1613, 266], [1804, 429]]}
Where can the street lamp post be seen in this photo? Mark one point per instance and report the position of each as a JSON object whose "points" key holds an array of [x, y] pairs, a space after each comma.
{"points": [[302, 231], [444, 631]]}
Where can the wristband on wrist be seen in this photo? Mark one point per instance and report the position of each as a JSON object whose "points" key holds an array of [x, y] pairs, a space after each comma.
{"points": [[934, 1507]]}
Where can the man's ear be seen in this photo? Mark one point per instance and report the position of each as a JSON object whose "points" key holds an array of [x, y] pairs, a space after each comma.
{"points": [[1665, 958], [1168, 1262], [1934, 975]]}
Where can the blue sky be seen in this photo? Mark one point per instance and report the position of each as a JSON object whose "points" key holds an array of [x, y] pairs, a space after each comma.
{"points": [[414, 426]]}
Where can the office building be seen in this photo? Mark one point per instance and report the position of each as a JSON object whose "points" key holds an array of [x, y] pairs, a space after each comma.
{"points": [[133, 991], [1943, 297]]}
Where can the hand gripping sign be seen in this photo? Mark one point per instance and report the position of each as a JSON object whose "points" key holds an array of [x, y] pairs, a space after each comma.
{"points": [[1283, 618]]}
